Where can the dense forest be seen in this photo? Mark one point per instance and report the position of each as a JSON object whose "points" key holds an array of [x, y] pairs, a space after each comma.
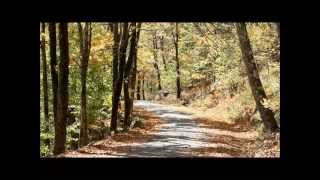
{"points": [[139, 89]]}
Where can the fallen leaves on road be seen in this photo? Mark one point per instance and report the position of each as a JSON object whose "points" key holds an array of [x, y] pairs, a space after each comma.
{"points": [[208, 151], [115, 145], [212, 123]]}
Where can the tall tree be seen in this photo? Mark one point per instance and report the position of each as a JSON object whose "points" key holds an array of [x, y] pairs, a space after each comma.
{"points": [[85, 45], [60, 136], [134, 69], [278, 41], [54, 74], [161, 38], [118, 84], [176, 40], [278, 29], [254, 80], [142, 87], [115, 72], [116, 40], [139, 86], [44, 79], [155, 56], [128, 77]]}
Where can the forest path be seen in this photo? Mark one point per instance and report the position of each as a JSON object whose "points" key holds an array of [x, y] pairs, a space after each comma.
{"points": [[178, 135]]}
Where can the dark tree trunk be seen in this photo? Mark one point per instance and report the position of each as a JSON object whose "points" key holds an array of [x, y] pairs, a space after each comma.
{"points": [[115, 72], [155, 62], [151, 90], [127, 79], [142, 87], [278, 29], [110, 27], [134, 71], [147, 85], [278, 42], [60, 137], [118, 84], [138, 86], [54, 74], [158, 75], [133, 80], [163, 52], [45, 81], [254, 80], [116, 39], [176, 40], [85, 45]]}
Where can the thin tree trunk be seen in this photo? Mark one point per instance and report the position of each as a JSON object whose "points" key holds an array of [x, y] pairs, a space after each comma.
{"points": [[176, 40], [60, 137], [45, 81], [127, 79], [138, 86], [142, 87], [155, 62], [115, 54], [54, 74], [115, 72], [278, 29], [133, 81], [134, 71], [158, 75], [85, 45], [147, 86], [278, 32], [162, 52], [118, 84], [151, 90], [254, 80]]}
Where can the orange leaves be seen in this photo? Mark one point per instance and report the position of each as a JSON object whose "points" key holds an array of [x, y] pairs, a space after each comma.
{"points": [[118, 143]]}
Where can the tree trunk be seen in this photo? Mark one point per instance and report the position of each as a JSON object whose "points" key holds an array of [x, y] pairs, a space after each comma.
{"points": [[147, 86], [176, 40], [45, 81], [134, 71], [60, 137], [118, 84], [54, 74], [138, 86], [115, 72], [127, 79], [142, 87], [254, 80], [278, 42], [151, 90], [115, 60], [162, 52], [155, 62], [85, 45], [278, 29]]}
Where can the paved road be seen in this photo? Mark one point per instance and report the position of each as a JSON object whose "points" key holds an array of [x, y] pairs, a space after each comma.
{"points": [[177, 136]]}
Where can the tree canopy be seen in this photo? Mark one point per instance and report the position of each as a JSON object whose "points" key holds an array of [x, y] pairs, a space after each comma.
{"points": [[93, 72]]}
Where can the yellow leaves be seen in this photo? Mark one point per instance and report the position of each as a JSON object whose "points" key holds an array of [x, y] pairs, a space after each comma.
{"points": [[185, 73], [197, 76], [202, 40], [101, 42]]}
